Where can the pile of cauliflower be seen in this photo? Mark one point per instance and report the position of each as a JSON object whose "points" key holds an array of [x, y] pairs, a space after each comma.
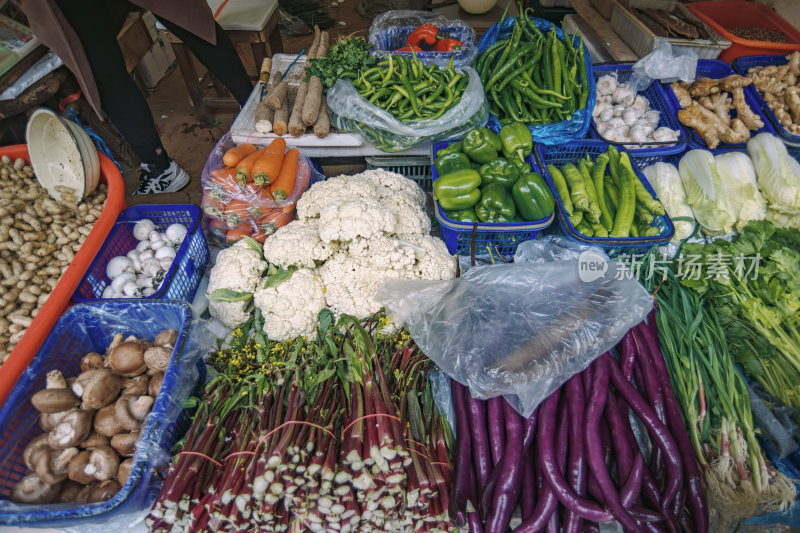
{"points": [[351, 232]]}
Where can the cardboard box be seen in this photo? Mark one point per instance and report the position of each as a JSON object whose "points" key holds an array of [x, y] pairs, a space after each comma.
{"points": [[159, 59]]}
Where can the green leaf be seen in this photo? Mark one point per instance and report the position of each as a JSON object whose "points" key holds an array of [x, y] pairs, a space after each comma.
{"points": [[324, 375], [325, 320], [278, 277], [253, 244], [229, 295]]}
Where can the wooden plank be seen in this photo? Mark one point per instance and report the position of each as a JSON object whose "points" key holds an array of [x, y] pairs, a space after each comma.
{"points": [[134, 40], [610, 40]]}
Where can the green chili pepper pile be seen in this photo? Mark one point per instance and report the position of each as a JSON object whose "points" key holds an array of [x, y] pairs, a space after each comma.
{"points": [[478, 184], [601, 205], [411, 90], [532, 76]]}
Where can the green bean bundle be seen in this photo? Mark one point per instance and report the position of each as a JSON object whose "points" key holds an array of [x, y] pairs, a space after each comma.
{"points": [[533, 76], [411, 90]]}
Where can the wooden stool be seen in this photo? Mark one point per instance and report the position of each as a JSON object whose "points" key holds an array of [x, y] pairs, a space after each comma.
{"points": [[253, 22]]}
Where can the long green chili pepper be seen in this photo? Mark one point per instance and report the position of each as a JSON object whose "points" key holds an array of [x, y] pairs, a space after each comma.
{"points": [[556, 66], [535, 99], [519, 54]]}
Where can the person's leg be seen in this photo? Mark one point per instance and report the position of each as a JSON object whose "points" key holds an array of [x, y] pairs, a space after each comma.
{"points": [[121, 99], [220, 59]]}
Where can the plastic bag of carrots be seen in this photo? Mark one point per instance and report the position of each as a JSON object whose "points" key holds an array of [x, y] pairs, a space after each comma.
{"points": [[252, 190]]}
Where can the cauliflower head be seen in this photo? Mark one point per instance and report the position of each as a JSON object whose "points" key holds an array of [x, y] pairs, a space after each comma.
{"points": [[383, 253], [350, 288], [411, 218], [344, 220], [338, 188], [298, 244], [291, 308], [395, 186], [239, 269], [433, 261]]}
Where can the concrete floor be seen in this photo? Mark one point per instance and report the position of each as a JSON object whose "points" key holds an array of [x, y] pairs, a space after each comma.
{"points": [[188, 142]]}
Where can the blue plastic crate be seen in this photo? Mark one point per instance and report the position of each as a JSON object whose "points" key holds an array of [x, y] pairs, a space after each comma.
{"points": [[183, 276], [571, 153], [741, 65], [498, 237], [646, 154], [714, 69], [91, 327]]}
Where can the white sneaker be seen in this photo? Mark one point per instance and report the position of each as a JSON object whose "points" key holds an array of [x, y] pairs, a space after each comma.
{"points": [[172, 179]]}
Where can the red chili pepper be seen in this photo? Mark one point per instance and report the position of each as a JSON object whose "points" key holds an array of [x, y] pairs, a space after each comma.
{"points": [[425, 32], [447, 45], [409, 49]]}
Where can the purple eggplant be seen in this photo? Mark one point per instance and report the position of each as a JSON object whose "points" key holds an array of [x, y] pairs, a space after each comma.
{"points": [[481, 458], [463, 485], [506, 488], [497, 435]]}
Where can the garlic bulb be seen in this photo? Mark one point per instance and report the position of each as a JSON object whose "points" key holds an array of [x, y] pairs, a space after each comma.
{"points": [[606, 84], [606, 115], [653, 116], [624, 96], [619, 109], [638, 135], [630, 116], [143, 228], [117, 266]]}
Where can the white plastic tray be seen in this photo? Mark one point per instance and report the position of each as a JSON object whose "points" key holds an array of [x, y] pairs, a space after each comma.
{"points": [[243, 128]]}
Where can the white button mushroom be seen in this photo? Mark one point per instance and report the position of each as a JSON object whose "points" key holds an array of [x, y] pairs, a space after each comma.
{"points": [[133, 255], [131, 290], [121, 280], [166, 262], [119, 265], [175, 233], [143, 228], [165, 251], [155, 239], [108, 292], [151, 267], [145, 255], [143, 245]]}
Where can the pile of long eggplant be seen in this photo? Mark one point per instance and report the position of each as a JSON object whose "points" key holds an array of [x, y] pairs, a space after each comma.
{"points": [[578, 460]]}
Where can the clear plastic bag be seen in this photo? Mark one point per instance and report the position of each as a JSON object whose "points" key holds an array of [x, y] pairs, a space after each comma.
{"points": [[230, 206], [521, 329], [349, 111], [576, 126], [390, 30], [91, 327], [664, 64]]}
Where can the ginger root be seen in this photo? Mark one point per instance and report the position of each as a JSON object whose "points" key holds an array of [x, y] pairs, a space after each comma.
{"points": [[743, 111], [684, 99], [792, 99], [734, 81], [705, 123], [720, 104], [703, 87], [794, 63], [737, 133]]}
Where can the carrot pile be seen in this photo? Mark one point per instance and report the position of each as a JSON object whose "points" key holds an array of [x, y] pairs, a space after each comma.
{"points": [[247, 196]]}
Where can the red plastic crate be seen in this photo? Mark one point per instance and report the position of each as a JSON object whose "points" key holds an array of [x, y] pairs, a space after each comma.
{"points": [[44, 321], [725, 16]]}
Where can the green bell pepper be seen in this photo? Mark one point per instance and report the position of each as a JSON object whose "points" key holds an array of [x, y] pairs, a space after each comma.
{"points": [[462, 215], [458, 190], [516, 140], [481, 145], [452, 148], [532, 197], [496, 204], [500, 171], [449, 163]]}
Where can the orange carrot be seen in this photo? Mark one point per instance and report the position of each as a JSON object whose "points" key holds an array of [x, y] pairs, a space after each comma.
{"points": [[217, 228], [213, 207], [244, 170], [282, 187], [236, 212], [236, 233], [236, 154], [223, 183], [268, 166], [269, 223]]}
